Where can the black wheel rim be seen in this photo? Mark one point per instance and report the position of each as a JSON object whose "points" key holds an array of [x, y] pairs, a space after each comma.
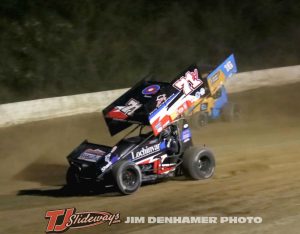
{"points": [[204, 164], [129, 178]]}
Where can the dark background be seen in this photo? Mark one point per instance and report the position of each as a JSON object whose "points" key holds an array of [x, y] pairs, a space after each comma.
{"points": [[61, 47]]}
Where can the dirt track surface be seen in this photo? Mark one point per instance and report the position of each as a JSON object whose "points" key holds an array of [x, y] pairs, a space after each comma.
{"points": [[257, 173]]}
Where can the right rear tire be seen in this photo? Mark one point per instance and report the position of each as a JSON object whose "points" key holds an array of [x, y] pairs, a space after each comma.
{"points": [[200, 120], [198, 163], [231, 112]]}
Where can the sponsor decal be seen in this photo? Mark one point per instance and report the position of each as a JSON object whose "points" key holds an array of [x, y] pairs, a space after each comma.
{"points": [[146, 167], [145, 151], [188, 83], [155, 140], [186, 135], [122, 112], [91, 155], [116, 113], [160, 123], [110, 159], [151, 159], [151, 90], [200, 93], [215, 77], [131, 106], [163, 105], [228, 66], [182, 108], [158, 127], [63, 219], [160, 99], [203, 106]]}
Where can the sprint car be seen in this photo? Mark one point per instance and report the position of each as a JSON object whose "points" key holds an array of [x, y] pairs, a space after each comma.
{"points": [[216, 105], [159, 144]]}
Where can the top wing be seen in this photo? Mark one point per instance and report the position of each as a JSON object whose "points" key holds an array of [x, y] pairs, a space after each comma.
{"points": [[160, 103], [134, 106], [218, 76]]}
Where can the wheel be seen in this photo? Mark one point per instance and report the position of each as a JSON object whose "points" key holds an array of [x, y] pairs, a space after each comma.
{"points": [[72, 177], [128, 176], [231, 112], [72, 180], [198, 163], [200, 119]]}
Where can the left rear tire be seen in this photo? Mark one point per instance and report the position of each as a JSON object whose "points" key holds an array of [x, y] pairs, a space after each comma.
{"points": [[72, 179], [128, 176]]}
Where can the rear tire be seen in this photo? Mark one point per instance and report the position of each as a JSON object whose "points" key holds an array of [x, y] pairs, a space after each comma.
{"points": [[231, 112], [200, 120], [198, 163], [72, 180], [128, 177]]}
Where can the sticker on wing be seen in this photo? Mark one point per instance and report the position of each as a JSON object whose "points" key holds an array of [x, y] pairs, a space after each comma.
{"points": [[160, 117], [190, 89], [123, 112], [189, 82]]}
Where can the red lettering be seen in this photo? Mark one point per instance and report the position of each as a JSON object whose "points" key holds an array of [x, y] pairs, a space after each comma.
{"points": [[53, 215], [63, 226]]}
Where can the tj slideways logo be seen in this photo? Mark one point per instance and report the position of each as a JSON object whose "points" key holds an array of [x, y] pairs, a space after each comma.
{"points": [[63, 219]]}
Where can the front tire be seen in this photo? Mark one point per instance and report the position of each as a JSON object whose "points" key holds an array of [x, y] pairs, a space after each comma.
{"points": [[198, 163], [128, 177]]}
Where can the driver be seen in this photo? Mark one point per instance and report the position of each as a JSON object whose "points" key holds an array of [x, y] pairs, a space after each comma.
{"points": [[169, 135]]}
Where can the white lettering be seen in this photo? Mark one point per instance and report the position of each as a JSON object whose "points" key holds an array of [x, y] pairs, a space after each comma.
{"points": [[135, 220], [146, 151], [131, 106], [151, 219], [188, 83]]}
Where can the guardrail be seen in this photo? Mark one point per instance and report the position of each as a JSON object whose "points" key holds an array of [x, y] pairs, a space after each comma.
{"points": [[48, 108]]}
